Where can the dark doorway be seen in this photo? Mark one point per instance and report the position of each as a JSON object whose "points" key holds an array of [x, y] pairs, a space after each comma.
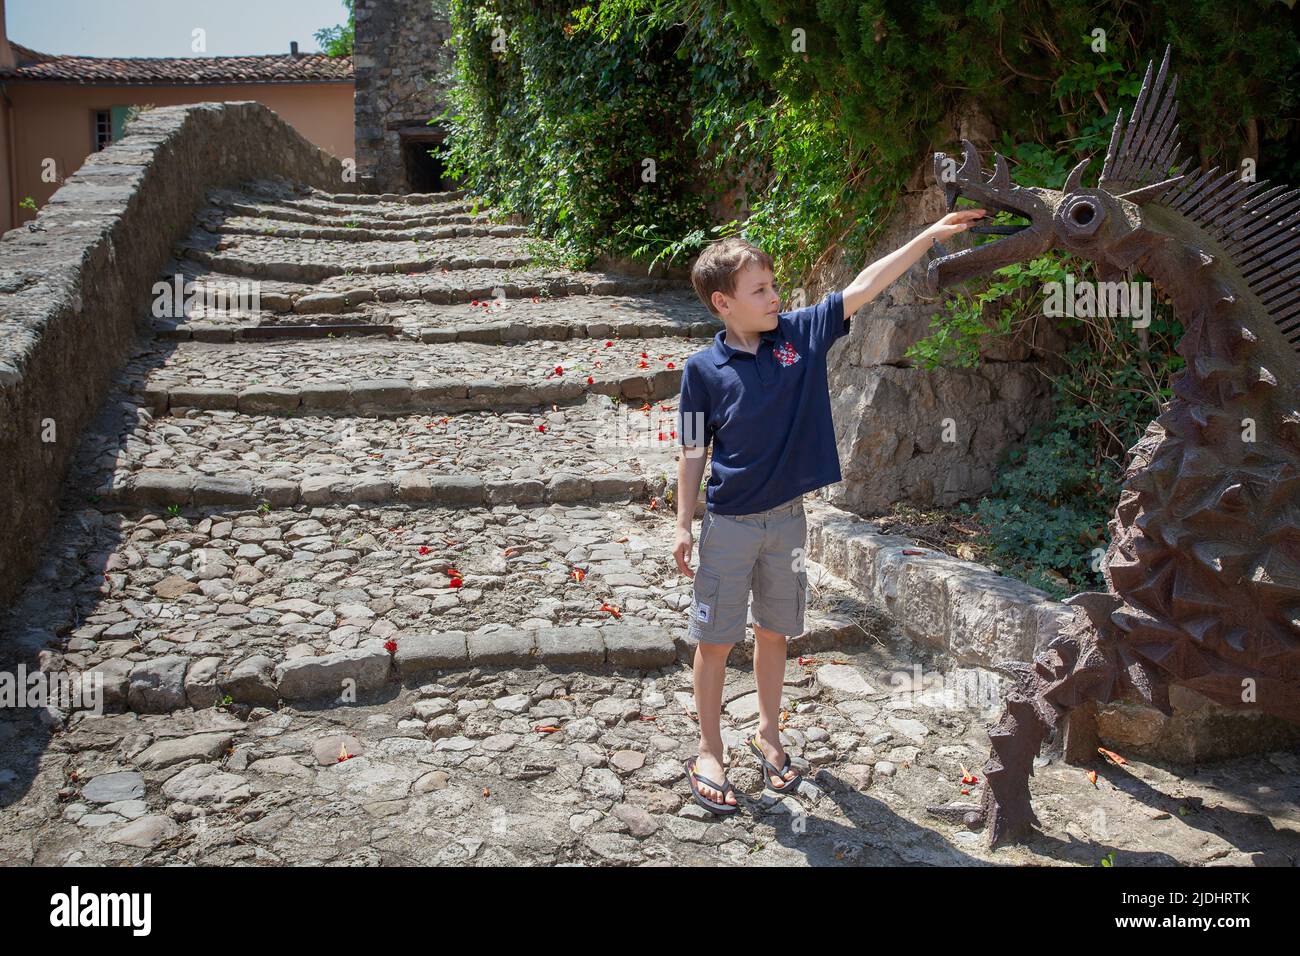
{"points": [[422, 161]]}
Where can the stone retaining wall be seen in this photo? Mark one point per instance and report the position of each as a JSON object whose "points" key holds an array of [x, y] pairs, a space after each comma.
{"points": [[74, 282], [980, 619]]}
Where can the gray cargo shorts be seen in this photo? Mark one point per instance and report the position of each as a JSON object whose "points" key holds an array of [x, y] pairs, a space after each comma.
{"points": [[764, 552]]}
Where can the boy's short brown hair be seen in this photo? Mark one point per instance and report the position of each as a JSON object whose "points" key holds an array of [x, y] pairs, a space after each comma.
{"points": [[719, 265]]}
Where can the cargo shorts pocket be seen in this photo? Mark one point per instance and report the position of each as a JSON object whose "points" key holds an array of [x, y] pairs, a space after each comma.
{"points": [[705, 610], [801, 595]]}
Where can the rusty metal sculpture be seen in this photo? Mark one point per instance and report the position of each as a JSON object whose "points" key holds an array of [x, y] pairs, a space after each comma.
{"points": [[1203, 566]]}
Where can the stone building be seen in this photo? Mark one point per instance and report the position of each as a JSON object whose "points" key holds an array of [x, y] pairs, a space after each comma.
{"points": [[402, 68]]}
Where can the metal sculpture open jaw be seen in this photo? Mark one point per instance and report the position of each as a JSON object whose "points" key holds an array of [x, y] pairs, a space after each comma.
{"points": [[1203, 565]]}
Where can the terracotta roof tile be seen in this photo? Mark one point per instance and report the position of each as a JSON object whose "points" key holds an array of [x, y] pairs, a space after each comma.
{"points": [[178, 70]]}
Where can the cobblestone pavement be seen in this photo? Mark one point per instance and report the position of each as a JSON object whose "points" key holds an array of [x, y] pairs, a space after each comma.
{"points": [[408, 597]]}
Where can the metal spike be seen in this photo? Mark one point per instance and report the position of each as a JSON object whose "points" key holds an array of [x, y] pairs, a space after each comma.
{"points": [[1284, 290], [1288, 324], [1208, 195], [1147, 148], [1134, 121], [1075, 179], [1194, 191], [1266, 286], [1261, 231], [1280, 268], [1289, 321], [1001, 178], [1274, 258], [1243, 211], [1247, 216], [1167, 154], [1145, 194], [1226, 200], [1144, 111], [1268, 248], [1108, 164], [970, 162], [1259, 277], [1264, 220]]}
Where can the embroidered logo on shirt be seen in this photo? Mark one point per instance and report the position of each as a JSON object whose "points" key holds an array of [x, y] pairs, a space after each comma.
{"points": [[785, 354]]}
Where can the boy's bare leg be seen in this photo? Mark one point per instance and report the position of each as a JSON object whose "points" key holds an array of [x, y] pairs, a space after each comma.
{"points": [[769, 675], [710, 671]]}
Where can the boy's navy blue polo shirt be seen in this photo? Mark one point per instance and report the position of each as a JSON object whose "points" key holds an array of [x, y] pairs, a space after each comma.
{"points": [[768, 414]]}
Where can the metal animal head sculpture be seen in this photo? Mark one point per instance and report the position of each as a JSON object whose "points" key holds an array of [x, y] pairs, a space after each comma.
{"points": [[1203, 566]]}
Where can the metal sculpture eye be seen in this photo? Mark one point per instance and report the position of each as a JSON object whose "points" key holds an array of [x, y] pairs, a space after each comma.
{"points": [[1080, 216]]}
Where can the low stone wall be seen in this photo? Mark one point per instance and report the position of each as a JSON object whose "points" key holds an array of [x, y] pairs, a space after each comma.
{"points": [[980, 618], [977, 616], [74, 281]]}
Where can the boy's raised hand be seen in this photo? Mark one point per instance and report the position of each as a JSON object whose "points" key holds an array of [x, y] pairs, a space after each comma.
{"points": [[953, 223]]}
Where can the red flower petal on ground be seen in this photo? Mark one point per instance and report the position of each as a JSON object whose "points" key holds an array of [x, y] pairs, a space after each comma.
{"points": [[425, 549], [643, 355], [590, 380], [541, 428], [643, 364], [670, 364], [559, 370], [608, 344], [455, 583], [390, 646]]}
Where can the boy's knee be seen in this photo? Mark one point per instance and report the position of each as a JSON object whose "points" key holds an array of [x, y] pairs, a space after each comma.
{"points": [[713, 651]]}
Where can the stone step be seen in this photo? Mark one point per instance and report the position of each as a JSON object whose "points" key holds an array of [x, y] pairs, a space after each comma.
{"points": [[179, 610], [258, 225], [656, 315], [370, 376], [345, 293], [311, 260], [292, 205], [390, 199], [560, 318], [589, 451], [358, 218]]}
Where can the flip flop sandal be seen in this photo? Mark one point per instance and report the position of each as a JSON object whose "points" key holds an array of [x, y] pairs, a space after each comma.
{"points": [[770, 769], [701, 799]]}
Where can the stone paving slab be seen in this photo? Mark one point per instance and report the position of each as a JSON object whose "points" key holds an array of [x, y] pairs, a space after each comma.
{"points": [[528, 766], [179, 609], [620, 451], [369, 375]]}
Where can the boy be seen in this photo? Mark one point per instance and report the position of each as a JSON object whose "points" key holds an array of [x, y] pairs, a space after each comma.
{"points": [[759, 395]]}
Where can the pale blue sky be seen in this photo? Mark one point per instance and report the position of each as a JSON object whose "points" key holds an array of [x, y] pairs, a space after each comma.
{"points": [[165, 27]]}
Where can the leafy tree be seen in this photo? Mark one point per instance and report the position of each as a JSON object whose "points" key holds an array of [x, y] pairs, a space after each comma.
{"points": [[338, 40]]}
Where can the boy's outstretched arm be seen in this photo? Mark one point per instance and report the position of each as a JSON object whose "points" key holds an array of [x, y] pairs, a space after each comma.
{"points": [[878, 276]]}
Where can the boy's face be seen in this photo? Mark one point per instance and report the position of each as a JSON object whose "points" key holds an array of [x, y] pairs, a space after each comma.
{"points": [[755, 304]]}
